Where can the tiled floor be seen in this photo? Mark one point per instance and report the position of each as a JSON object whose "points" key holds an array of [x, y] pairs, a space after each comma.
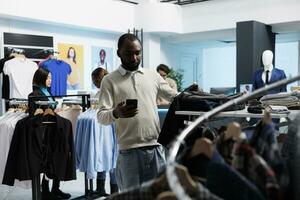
{"points": [[75, 188]]}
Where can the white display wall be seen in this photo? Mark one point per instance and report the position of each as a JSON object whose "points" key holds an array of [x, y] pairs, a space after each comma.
{"points": [[60, 34]]}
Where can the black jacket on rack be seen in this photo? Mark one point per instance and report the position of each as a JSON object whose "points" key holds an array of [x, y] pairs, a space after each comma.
{"points": [[5, 85], [41, 148]]}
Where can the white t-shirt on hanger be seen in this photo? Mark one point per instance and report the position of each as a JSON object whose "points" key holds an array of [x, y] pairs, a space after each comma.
{"points": [[20, 71]]}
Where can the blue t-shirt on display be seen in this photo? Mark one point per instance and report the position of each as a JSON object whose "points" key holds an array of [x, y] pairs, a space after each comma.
{"points": [[59, 72]]}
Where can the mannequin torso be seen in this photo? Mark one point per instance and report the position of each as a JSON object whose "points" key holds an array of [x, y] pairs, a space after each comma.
{"points": [[274, 74]]}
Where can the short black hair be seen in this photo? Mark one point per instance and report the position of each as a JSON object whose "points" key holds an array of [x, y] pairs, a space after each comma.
{"points": [[127, 36], [96, 72], [164, 68], [40, 76], [102, 50]]}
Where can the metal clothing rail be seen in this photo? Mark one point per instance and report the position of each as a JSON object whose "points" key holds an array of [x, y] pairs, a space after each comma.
{"points": [[45, 103], [88, 185], [171, 174], [14, 102]]}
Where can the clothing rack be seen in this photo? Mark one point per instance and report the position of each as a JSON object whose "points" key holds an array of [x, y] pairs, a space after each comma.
{"points": [[171, 174], [46, 51], [16, 50], [85, 103], [14, 102]]}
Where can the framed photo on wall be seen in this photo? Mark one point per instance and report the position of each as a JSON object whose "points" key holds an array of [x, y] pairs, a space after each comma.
{"points": [[73, 55], [102, 57], [246, 88]]}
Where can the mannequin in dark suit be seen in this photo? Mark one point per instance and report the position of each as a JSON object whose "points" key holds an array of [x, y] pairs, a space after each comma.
{"points": [[268, 71]]}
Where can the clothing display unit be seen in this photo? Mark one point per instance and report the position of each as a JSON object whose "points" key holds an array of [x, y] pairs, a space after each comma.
{"points": [[175, 185], [85, 103]]}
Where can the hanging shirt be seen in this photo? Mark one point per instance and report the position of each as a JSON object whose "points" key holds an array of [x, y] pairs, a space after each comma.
{"points": [[291, 153], [255, 168], [20, 72], [59, 72], [95, 145], [264, 142], [7, 127]]}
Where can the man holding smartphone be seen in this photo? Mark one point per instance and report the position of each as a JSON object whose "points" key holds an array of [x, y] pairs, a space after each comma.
{"points": [[128, 97]]}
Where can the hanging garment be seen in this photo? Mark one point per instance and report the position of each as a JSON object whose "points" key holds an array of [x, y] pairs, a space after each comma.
{"points": [[59, 72], [189, 101], [265, 145], [221, 179], [95, 144], [41, 148], [291, 153], [5, 82], [201, 101], [7, 125], [172, 125], [225, 182], [225, 148], [150, 190], [253, 167], [71, 113], [20, 71]]}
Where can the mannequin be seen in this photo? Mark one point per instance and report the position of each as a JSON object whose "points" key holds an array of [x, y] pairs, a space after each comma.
{"points": [[268, 74]]}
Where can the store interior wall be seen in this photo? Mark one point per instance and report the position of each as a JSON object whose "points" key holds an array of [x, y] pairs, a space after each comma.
{"points": [[214, 62], [68, 36], [105, 15], [102, 27], [217, 63]]}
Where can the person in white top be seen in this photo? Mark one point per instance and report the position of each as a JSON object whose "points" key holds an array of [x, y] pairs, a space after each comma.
{"points": [[164, 71], [141, 157]]}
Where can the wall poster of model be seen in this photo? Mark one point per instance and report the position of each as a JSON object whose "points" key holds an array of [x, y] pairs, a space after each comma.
{"points": [[73, 55], [102, 57]]}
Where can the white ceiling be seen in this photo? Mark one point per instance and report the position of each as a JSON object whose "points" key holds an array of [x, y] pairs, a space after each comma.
{"points": [[285, 32]]}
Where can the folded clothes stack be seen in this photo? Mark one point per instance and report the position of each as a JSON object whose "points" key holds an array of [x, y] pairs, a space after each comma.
{"points": [[289, 99]]}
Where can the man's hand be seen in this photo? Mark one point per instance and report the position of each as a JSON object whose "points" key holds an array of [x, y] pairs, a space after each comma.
{"points": [[123, 111]]}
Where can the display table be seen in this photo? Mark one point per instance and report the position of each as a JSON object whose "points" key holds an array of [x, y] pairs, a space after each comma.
{"points": [[241, 114]]}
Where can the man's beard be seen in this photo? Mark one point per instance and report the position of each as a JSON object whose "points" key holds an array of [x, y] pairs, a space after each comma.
{"points": [[131, 66]]}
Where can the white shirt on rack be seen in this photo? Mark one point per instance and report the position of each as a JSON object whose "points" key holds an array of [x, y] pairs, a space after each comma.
{"points": [[20, 72]]}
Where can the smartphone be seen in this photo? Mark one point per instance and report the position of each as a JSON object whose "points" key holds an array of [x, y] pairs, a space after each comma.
{"points": [[132, 103]]}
